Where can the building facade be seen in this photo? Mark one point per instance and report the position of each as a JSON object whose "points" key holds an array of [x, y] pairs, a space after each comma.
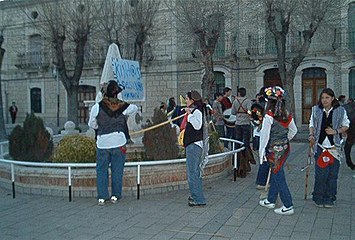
{"points": [[245, 56]]}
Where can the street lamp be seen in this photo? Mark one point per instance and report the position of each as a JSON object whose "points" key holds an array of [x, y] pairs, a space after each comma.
{"points": [[55, 74]]}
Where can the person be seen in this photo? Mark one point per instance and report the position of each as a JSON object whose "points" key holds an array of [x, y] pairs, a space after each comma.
{"points": [[240, 108], [350, 134], [278, 128], [163, 107], [229, 123], [108, 118], [341, 99], [263, 169], [218, 114], [171, 106], [13, 112], [195, 134], [178, 111], [328, 120]]}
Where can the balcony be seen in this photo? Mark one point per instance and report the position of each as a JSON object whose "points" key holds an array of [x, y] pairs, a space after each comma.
{"points": [[32, 60]]}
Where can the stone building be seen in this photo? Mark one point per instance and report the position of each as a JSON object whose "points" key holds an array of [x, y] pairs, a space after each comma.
{"points": [[245, 56]]}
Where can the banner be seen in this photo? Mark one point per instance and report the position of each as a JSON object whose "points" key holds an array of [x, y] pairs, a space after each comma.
{"points": [[128, 74]]}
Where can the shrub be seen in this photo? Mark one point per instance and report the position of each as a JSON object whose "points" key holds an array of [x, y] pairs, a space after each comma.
{"points": [[215, 144], [30, 142], [75, 149], [161, 143]]}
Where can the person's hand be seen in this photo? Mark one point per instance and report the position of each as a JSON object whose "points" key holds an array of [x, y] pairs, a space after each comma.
{"points": [[187, 110], [330, 131], [311, 140]]}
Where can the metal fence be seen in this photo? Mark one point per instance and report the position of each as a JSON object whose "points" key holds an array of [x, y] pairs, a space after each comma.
{"points": [[138, 165]]}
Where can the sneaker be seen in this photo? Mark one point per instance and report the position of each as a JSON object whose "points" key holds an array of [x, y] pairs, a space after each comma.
{"points": [[266, 203], [101, 202], [113, 199], [190, 198], [328, 205], [284, 210], [319, 205], [260, 187], [195, 204]]}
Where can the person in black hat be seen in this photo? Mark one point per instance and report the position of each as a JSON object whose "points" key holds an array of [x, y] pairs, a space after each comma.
{"points": [[108, 118]]}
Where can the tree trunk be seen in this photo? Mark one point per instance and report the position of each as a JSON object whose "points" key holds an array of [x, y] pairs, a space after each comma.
{"points": [[2, 120], [72, 95], [208, 77]]}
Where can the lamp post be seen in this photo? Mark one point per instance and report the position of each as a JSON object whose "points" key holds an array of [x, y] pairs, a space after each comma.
{"points": [[55, 74]]}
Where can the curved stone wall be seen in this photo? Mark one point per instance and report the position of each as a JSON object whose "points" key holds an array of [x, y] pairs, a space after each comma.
{"points": [[154, 179]]}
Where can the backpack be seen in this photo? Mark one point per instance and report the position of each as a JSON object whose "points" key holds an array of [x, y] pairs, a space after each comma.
{"points": [[350, 111]]}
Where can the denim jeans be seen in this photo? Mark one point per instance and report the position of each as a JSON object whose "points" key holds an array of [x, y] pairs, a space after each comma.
{"points": [[325, 182], [194, 178], [263, 172], [230, 133], [117, 159], [278, 185]]}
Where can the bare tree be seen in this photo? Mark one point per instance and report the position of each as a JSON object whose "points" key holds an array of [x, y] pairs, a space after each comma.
{"points": [[66, 25], [2, 120], [140, 15], [203, 20], [281, 15]]}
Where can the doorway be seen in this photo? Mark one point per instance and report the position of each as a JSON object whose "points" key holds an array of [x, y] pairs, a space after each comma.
{"points": [[313, 82]]}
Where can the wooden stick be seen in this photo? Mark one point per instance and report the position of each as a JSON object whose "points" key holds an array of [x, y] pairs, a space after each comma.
{"points": [[156, 126], [268, 180]]}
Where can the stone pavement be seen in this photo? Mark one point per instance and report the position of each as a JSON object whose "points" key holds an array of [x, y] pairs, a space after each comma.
{"points": [[232, 212]]}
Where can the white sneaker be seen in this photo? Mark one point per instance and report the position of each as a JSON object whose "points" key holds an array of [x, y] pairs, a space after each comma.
{"points": [[101, 202], [266, 203], [284, 210], [113, 199]]}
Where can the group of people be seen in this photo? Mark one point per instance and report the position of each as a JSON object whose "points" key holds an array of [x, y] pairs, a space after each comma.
{"points": [[273, 122]]}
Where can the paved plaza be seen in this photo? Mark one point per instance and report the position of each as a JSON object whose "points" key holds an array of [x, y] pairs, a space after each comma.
{"points": [[232, 212]]}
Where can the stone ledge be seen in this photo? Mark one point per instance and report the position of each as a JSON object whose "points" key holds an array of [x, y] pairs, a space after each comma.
{"points": [[154, 179]]}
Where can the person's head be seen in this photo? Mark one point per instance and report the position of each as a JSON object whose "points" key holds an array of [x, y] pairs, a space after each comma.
{"points": [[163, 106], [113, 89], [13, 103], [341, 99], [194, 98], [172, 101], [276, 103], [241, 92], [350, 100], [218, 96], [327, 99], [227, 91]]}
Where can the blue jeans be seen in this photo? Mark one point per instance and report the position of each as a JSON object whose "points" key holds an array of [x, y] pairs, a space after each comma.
{"points": [[117, 159], [230, 133], [278, 185], [194, 178], [325, 182], [263, 172]]}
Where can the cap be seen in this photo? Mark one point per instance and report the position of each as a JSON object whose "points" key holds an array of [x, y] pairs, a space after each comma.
{"points": [[274, 92]]}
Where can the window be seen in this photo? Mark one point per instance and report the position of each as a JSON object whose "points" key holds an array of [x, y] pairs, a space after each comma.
{"points": [[351, 26], [216, 22], [35, 50], [36, 100], [352, 83]]}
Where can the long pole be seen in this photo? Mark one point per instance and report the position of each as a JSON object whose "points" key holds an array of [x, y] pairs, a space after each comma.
{"points": [[58, 103]]}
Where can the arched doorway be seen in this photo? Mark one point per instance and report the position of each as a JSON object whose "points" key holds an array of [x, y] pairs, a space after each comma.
{"points": [[272, 78], [352, 83], [219, 83], [313, 82], [85, 93]]}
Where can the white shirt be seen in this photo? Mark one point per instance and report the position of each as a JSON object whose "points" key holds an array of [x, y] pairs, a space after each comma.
{"points": [[265, 134], [110, 140], [195, 119], [345, 123]]}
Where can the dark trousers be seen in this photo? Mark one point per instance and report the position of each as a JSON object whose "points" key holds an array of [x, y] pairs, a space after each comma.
{"points": [[243, 134], [347, 150]]}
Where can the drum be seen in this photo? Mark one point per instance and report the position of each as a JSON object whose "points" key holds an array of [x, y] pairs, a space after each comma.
{"points": [[228, 117]]}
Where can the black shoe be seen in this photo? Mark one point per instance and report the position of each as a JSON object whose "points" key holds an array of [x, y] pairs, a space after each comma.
{"points": [[195, 204], [190, 198]]}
